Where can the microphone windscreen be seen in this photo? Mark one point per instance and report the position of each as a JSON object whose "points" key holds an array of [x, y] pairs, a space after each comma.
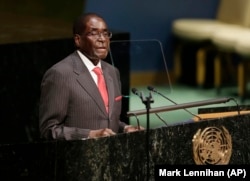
{"points": [[135, 91], [151, 88]]}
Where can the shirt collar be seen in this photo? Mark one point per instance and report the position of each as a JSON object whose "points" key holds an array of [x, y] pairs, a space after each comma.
{"points": [[87, 62]]}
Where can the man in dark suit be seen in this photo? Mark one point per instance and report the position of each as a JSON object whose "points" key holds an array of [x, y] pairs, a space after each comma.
{"points": [[71, 106]]}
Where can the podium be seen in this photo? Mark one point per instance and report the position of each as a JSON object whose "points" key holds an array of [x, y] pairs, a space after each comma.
{"points": [[120, 157]]}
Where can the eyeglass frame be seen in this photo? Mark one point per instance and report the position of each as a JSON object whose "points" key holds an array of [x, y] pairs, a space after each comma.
{"points": [[97, 34]]}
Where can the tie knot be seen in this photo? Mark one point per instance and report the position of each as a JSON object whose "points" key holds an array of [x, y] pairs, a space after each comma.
{"points": [[97, 70]]}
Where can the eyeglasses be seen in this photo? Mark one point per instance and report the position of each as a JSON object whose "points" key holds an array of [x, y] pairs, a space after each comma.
{"points": [[97, 34]]}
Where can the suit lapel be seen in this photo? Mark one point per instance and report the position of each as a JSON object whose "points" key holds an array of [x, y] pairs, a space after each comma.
{"points": [[86, 81]]}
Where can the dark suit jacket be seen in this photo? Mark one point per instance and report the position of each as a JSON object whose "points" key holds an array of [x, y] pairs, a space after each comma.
{"points": [[70, 102]]}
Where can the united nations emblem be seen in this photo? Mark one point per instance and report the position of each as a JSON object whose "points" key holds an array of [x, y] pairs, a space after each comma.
{"points": [[212, 146]]}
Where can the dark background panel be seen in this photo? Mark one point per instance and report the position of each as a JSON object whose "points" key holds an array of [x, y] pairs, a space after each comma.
{"points": [[34, 35]]}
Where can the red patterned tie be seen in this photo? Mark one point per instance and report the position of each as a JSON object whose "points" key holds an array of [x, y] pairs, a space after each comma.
{"points": [[102, 86]]}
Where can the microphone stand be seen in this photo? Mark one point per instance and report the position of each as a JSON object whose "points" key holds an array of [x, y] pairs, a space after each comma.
{"points": [[147, 101]]}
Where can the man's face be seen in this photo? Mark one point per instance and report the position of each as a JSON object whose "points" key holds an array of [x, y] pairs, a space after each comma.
{"points": [[94, 43]]}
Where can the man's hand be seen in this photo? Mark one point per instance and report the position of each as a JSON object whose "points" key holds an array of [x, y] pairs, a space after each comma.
{"points": [[130, 128], [101, 133]]}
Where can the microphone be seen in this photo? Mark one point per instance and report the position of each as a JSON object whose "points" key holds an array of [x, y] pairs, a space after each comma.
{"points": [[140, 94], [154, 90], [136, 92]]}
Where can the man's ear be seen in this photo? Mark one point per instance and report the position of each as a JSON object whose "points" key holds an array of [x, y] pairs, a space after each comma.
{"points": [[77, 40]]}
